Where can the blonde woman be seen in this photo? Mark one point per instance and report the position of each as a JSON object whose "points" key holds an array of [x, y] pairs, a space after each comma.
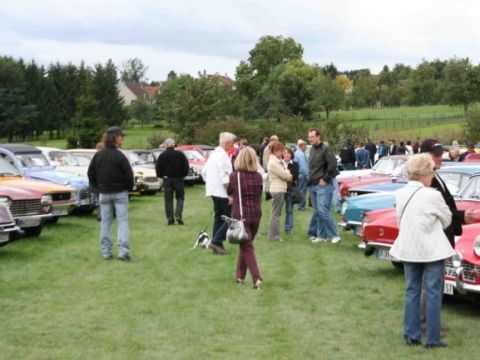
{"points": [[278, 177], [251, 183], [422, 246]]}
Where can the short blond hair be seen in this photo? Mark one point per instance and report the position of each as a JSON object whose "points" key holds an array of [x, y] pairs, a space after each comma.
{"points": [[246, 160], [419, 165]]}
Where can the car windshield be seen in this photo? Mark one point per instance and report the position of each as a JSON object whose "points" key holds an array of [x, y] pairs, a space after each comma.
{"points": [[193, 155], [85, 155], [156, 153], [134, 158], [146, 157], [454, 181], [387, 165], [33, 159], [6, 168], [63, 158], [472, 189], [82, 160]]}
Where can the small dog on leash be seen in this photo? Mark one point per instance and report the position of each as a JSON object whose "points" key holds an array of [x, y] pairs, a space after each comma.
{"points": [[203, 240]]}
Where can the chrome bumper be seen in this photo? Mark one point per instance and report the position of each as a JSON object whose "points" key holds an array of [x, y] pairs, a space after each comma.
{"points": [[62, 209], [461, 286], [31, 220]]}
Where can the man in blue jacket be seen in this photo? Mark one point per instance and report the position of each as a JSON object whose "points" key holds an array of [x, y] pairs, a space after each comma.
{"points": [[301, 159], [362, 156]]}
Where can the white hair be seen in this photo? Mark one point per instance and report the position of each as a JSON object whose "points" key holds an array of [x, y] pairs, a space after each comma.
{"points": [[418, 165], [226, 137], [169, 142]]}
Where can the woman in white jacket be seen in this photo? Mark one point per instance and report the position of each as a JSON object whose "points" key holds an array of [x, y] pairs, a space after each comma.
{"points": [[422, 246]]}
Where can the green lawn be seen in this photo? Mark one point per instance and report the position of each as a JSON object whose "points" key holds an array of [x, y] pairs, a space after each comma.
{"points": [[60, 300]]}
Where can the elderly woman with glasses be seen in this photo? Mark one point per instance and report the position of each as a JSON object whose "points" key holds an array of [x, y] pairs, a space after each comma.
{"points": [[422, 246]]}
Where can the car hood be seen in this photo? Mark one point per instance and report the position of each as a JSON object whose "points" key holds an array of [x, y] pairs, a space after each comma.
{"points": [[59, 177], [346, 174], [380, 187], [465, 243], [18, 193]]}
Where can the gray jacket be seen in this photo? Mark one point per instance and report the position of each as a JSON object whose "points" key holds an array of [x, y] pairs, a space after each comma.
{"points": [[323, 164]]}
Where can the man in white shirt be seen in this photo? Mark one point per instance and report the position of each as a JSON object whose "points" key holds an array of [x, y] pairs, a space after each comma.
{"points": [[216, 174]]}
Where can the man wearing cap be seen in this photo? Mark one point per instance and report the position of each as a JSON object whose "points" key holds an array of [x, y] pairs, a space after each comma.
{"points": [[301, 159], [172, 166], [111, 175], [459, 217]]}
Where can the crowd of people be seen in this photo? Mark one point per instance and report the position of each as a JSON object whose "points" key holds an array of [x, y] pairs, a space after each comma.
{"points": [[236, 175]]}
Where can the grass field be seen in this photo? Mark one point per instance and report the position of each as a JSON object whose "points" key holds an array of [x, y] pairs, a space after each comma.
{"points": [[60, 300]]}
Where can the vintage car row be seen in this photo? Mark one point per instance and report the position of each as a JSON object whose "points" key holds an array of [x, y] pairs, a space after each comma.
{"points": [[355, 206]]}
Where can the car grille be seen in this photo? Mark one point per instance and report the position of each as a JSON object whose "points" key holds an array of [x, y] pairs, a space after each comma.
{"points": [[61, 196], [449, 269], [470, 272], [25, 207], [151, 179], [84, 194]]}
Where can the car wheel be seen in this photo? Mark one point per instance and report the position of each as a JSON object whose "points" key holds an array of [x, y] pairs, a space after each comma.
{"points": [[398, 265], [33, 231]]}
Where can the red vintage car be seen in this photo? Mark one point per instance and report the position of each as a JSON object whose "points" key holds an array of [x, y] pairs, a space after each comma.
{"points": [[383, 170]]}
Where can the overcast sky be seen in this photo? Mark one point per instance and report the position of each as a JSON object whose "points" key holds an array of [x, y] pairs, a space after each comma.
{"points": [[192, 35]]}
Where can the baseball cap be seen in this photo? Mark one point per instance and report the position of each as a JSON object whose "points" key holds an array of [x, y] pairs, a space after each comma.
{"points": [[115, 130], [432, 146]]}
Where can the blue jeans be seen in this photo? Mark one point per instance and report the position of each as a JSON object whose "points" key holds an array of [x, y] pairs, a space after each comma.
{"points": [[288, 212], [431, 274], [220, 227], [302, 186], [322, 224], [119, 202]]}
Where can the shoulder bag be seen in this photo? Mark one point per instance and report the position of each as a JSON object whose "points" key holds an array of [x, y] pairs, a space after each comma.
{"points": [[236, 232]]}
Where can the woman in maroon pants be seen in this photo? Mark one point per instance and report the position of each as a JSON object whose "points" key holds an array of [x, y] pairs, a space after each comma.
{"points": [[251, 183]]}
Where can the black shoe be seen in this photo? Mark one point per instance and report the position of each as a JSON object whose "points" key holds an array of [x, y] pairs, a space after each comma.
{"points": [[180, 222], [412, 342], [171, 222], [124, 258], [218, 250], [441, 344]]}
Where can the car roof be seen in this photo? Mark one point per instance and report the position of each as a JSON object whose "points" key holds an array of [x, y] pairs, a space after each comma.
{"points": [[20, 148], [46, 148], [461, 169]]}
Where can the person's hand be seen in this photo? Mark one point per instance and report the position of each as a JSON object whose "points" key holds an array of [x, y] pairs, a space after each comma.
{"points": [[290, 178], [230, 200], [471, 216], [322, 182]]}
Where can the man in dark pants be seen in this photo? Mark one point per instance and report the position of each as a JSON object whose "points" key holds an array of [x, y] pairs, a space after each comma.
{"points": [[172, 166], [372, 149]]}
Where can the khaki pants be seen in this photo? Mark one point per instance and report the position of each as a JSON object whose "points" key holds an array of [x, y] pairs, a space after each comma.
{"points": [[277, 204]]}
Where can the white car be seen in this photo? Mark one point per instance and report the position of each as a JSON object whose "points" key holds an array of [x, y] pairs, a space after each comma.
{"points": [[65, 161]]}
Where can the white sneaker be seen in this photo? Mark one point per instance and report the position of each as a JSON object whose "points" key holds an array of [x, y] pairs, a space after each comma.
{"points": [[318, 240], [311, 238], [335, 240]]}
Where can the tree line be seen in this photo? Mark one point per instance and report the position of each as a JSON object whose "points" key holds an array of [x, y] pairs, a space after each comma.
{"points": [[273, 85]]}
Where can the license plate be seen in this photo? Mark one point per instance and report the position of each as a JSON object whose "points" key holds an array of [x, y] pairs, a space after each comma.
{"points": [[26, 223], [448, 288], [383, 254]]}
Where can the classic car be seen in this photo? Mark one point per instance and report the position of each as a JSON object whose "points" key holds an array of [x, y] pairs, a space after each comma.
{"points": [[146, 180], [31, 163], [204, 150], [151, 156], [355, 207], [64, 161], [29, 208], [462, 271], [386, 165], [379, 228], [63, 197], [195, 159], [8, 227]]}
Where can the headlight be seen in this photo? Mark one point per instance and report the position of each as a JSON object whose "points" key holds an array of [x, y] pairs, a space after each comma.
{"points": [[5, 201], [457, 260], [46, 200], [476, 246]]}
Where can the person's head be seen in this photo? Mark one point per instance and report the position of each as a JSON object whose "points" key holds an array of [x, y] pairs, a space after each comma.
{"points": [[420, 167], [402, 143], [435, 149], [454, 154], [301, 144], [266, 140], [169, 143], [471, 148], [392, 141], [288, 154], [409, 143], [277, 149], [361, 144], [226, 140], [274, 139], [382, 142], [314, 136], [246, 160], [113, 137]]}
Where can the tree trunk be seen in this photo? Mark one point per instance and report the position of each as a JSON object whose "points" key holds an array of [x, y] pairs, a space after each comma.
{"points": [[327, 110]]}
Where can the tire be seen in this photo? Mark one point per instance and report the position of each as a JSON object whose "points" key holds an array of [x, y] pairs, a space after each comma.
{"points": [[33, 231], [398, 265]]}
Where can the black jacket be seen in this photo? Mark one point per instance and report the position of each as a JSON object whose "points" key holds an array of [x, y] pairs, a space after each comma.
{"points": [[323, 164], [372, 149], [110, 172], [293, 168], [458, 216], [172, 163], [347, 154]]}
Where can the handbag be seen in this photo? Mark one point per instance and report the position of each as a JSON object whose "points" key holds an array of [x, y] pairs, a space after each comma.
{"points": [[296, 195], [236, 232]]}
